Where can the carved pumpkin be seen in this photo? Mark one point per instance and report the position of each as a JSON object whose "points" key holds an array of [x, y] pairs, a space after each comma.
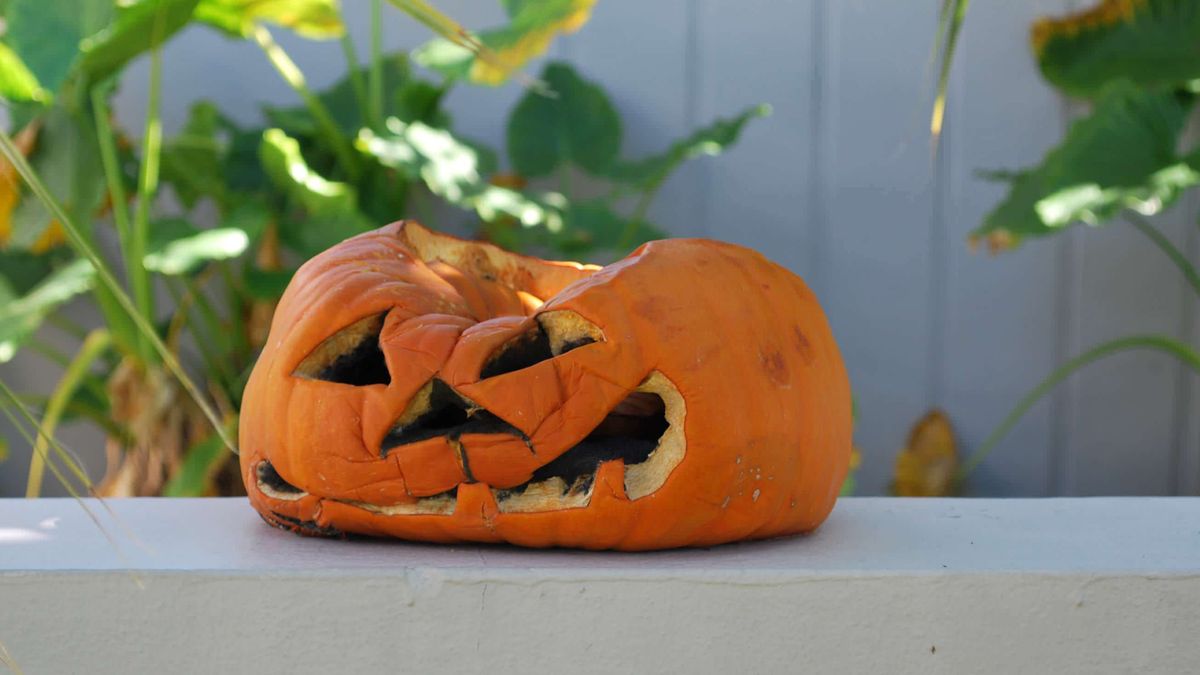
{"points": [[419, 386]]}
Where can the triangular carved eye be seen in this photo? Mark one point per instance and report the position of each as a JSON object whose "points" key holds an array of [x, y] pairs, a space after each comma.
{"points": [[349, 356], [552, 334]]}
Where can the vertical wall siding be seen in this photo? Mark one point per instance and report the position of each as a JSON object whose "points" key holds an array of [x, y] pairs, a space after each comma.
{"points": [[841, 185]]}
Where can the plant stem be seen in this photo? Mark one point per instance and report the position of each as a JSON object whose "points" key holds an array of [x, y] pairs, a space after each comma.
{"points": [[639, 213], [329, 135], [1160, 240], [1156, 342], [356, 73], [82, 246], [375, 76], [116, 187], [139, 278], [50, 353], [93, 346]]}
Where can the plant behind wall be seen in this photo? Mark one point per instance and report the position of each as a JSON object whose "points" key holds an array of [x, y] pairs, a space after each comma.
{"points": [[1136, 64], [377, 146]]}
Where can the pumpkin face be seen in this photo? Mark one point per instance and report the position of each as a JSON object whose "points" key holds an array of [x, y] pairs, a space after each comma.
{"points": [[418, 386]]}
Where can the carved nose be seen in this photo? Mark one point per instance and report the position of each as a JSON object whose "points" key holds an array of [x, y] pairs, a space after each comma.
{"points": [[439, 411]]}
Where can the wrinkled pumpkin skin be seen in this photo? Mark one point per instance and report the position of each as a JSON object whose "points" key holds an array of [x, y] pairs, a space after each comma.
{"points": [[766, 420]]}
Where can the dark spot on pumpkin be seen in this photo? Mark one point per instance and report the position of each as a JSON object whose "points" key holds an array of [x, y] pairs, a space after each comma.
{"points": [[803, 346], [449, 416], [775, 367]]}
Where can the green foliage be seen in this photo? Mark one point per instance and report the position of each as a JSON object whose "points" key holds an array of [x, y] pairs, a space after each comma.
{"points": [[316, 19], [376, 146], [1137, 62], [16, 82], [577, 124], [1121, 156], [1151, 43], [20, 316], [492, 56]]}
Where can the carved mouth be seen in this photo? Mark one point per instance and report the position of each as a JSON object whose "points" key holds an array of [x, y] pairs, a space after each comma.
{"points": [[644, 432]]}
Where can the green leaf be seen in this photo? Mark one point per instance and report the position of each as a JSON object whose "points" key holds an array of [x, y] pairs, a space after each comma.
{"points": [[46, 34], [186, 255], [711, 140], [451, 169], [191, 161], [594, 225], [532, 27], [200, 465], [342, 103], [68, 160], [16, 82], [20, 317], [266, 284], [250, 216], [22, 270], [136, 29], [1120, 156], [330, 208], [316, 19], [579, 124], [1149, 42]]}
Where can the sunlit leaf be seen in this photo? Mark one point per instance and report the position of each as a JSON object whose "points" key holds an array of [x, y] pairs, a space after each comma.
{"points": [[1122, 155], [578, 124], [317, 19], [1150, 42], [531, 29], [20, 317], [16, 82], [451, 169], [186, 255], [927, 465], [330, 208], [135, 29], [711, 140]]}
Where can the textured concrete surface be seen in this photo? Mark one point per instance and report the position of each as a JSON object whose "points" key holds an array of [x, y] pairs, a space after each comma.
{"points": [[898, 586]]}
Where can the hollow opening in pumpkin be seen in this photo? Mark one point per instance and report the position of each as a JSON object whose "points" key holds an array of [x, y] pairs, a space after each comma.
{"points": [[349, 356], [645, 431], [532, 347], [437, 411], [273, 485]]}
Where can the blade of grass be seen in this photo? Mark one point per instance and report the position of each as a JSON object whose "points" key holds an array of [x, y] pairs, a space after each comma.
{"points": [[91, 349], [19, 425], [1154, 342], [7, 661], [330, 135], [1170, 250], [147, 187], [950, 21], [105, 275]]}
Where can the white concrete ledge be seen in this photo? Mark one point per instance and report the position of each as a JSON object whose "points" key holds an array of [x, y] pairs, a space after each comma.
{"points": [[896, 586]]}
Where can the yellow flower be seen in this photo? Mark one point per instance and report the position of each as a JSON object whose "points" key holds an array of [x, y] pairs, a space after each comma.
{"points": [[927, 466]]}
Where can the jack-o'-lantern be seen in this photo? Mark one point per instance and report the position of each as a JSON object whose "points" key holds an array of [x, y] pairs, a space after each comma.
{"points": [[419, 386]]}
